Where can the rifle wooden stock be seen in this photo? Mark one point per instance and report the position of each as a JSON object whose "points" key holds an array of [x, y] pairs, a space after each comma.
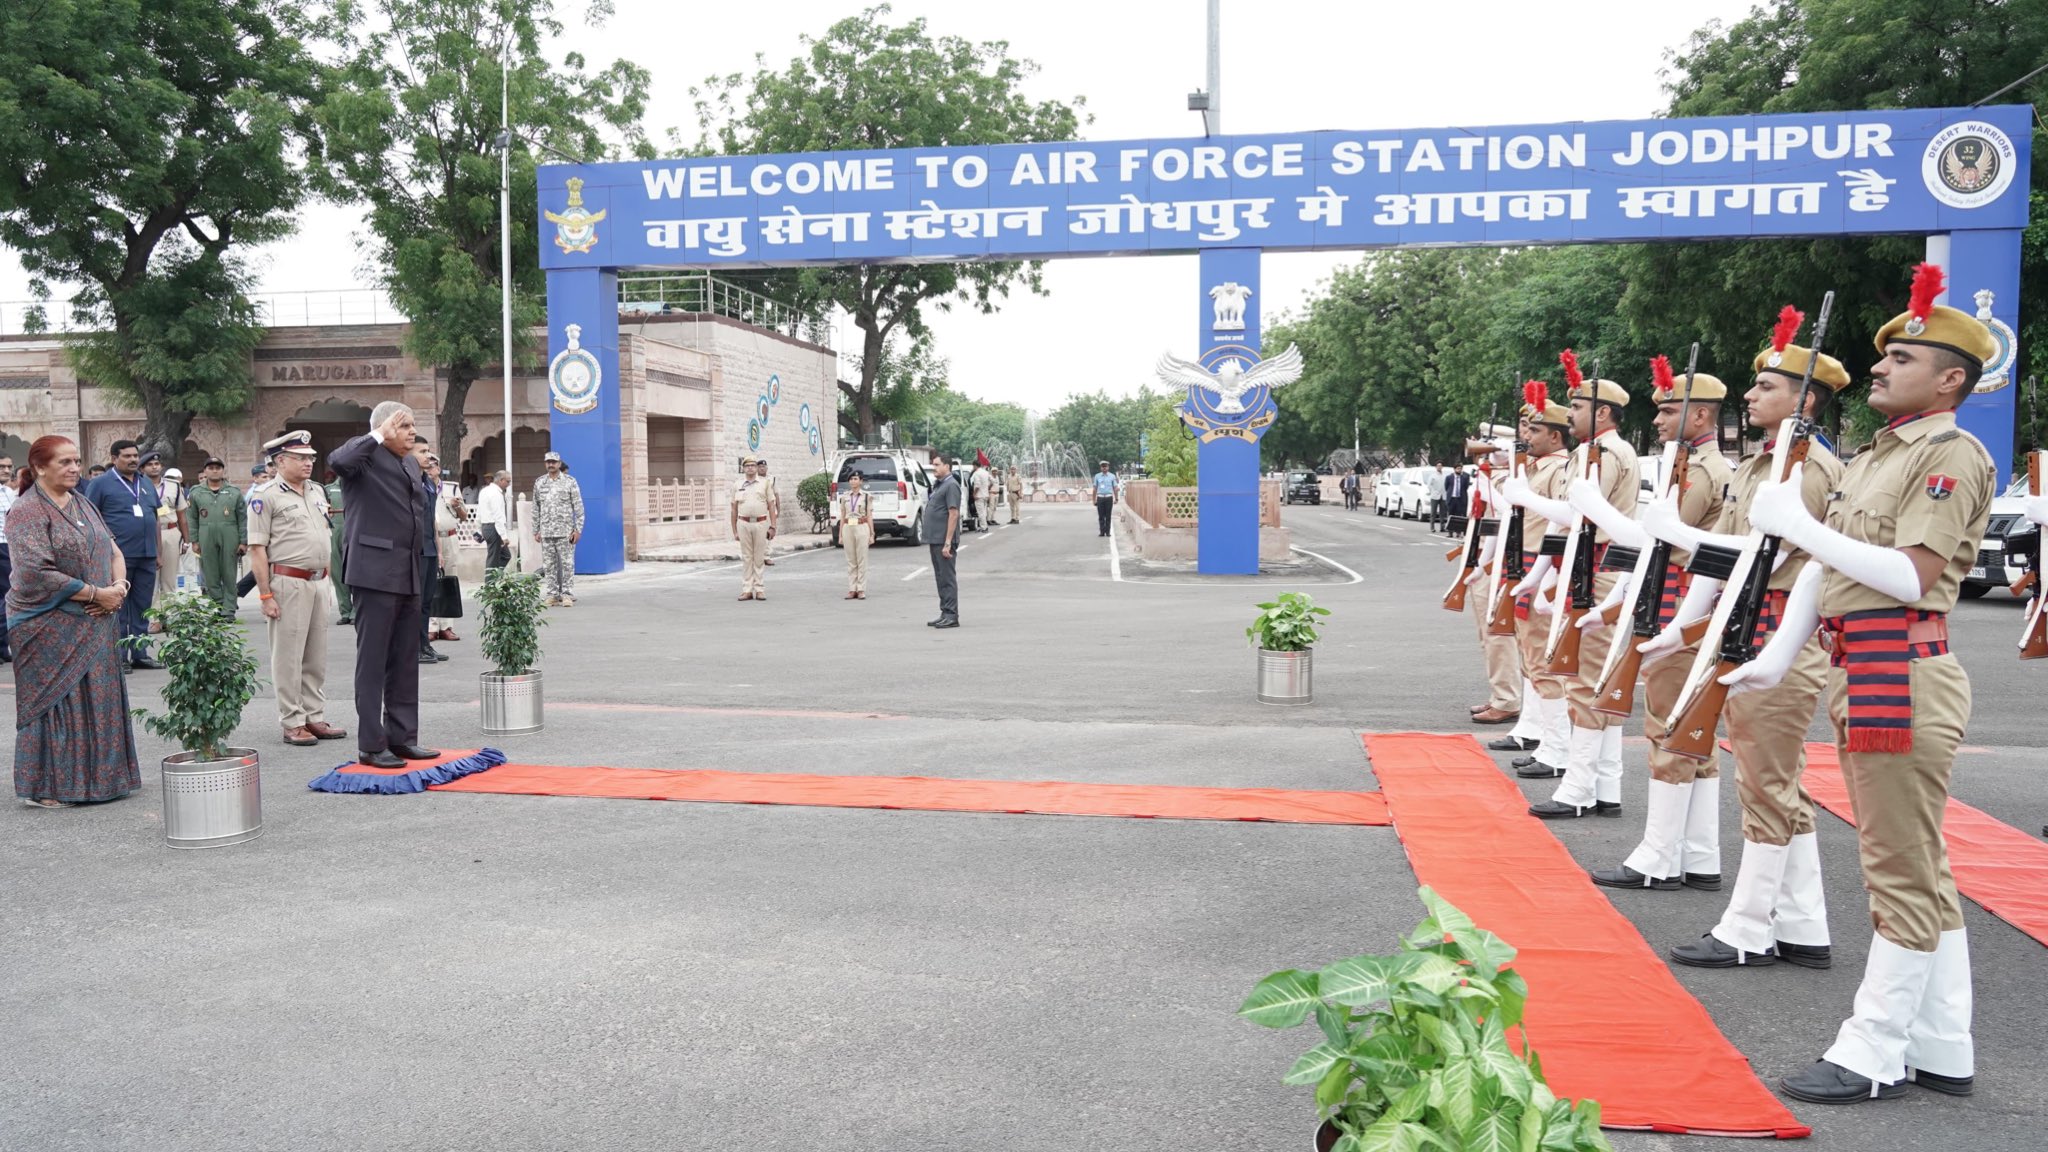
{"points": [[1693, 735], [1565, 661], [2034, 645], [1454, 600], [1616, 695], [1454, 553], [1501, 622]]}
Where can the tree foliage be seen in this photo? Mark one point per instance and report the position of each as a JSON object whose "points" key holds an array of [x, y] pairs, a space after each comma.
{"points": [[144, 144], [959, 426], [1171, 450], [867, 84], [1105, 428], [413, 124]]}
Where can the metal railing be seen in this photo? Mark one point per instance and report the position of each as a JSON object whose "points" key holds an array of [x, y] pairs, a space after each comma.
{"points": [[273, 310], [702, 292]]}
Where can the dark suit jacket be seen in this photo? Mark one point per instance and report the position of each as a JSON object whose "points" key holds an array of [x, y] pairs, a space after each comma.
{"points": [[1457, 487], [388, 511]]}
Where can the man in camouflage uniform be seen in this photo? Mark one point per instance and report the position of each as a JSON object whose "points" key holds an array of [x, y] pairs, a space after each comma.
{"points": [[557, 526]]}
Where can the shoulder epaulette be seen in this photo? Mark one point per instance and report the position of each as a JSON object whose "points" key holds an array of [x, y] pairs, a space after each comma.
{"points": [[1945, 437]]}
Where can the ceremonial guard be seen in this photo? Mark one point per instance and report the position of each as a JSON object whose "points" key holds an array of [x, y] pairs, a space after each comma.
{"points": [[1681, 845], [753, 525], [1013, 486], [1901, 533], [1505, 698], [1592, 777], [1777, 910], [216, 522], [1546, 429], [290, 546], [337, 522], [557, 526], [856, 532]]}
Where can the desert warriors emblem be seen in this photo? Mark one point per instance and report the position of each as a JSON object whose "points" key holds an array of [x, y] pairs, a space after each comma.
{"points": [[1233, 380]]}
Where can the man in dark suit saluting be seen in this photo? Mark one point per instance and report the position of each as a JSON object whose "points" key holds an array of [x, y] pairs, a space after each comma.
{"points": [[388, 511]]}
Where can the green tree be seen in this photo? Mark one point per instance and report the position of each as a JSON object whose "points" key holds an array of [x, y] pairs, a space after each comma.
{"points": [[1170, 449], [143, 145], [1105, 428], [868, 84], [414, 124], [960, 425]]}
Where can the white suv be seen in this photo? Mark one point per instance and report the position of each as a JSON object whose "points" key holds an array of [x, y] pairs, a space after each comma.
{"points": [[896, 483], [1994, 569]]}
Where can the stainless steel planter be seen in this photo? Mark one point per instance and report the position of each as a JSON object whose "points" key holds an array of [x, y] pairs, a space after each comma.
{"points": [[512, 704], [212, 803], [1286, 677]]}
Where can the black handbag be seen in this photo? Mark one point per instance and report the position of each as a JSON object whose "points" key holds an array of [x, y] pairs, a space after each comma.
{"points": [[447, 597]]}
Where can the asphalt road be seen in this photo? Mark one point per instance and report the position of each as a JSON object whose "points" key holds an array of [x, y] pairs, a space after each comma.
{"points": [[494, 972]]}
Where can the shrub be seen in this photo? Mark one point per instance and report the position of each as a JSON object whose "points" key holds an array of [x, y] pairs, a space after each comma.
{"points": [[814, 495], [212, 675], [510, 630]]}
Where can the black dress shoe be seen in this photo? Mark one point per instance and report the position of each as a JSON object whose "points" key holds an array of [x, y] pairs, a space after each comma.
{"points": [[415, 752], [1806, 955], [146, 664], [1947, 1085], [1825, 1083], [379, 760], [1552, 810], [1512, 744], [346, 620], [1709, 952], [1623, 876], [1535, 769], [428, 658], [1521, 761], [949, 622], [933, 623], [1607, 808], [1704, 881]]}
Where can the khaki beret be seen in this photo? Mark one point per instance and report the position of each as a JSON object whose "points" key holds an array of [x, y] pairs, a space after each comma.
{"points": [[1705, 389], [1944, 327], [1827, 371], [1606, 390]]}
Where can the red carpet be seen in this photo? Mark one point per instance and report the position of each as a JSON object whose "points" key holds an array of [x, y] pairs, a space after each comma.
{"points": [[916, 793], [1605, 1013], [1995, 864]]}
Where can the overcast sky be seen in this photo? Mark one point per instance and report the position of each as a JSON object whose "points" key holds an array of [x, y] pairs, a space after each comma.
{"points": [[1288, 66]]}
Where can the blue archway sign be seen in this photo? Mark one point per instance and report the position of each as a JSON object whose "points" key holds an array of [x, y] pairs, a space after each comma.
{"points": [[1955, 175]]}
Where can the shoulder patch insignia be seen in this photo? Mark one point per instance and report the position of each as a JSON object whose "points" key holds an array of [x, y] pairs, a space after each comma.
{"points": [[1940, 487], [256, 505], [1945, 437]]}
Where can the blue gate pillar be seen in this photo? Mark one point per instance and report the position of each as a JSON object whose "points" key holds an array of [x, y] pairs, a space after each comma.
{"points": [[1227, 478], [583, 406], [1984, 280]]}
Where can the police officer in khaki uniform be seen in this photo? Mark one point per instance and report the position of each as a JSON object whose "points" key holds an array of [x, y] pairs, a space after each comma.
{"points": [[1013, 486], [1592, 777], [1505, 696], [856, 532], [289, 547], [1778, 910], [1681, 844], [753, 525], [1900, 536], [1549, 437]]}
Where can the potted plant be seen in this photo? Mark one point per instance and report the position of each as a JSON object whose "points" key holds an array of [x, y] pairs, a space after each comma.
{"points": [[1414, 1051], [1285, 634], [213, 793], [509, 633]]}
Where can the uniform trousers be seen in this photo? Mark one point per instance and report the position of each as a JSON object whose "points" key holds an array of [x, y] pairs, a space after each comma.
{"points": [[1582, 691], [342, 600], [1768, 732], [1103, 505], [387, 668], [1014, 497], [855, 538], [6, 579], [1503, 659], [1663, 681], [947, 576], [217, 568], [754, 556], [1900, 798], [135, 608], [558, 561], [168, 559], [298, 649], [1530, 636]]}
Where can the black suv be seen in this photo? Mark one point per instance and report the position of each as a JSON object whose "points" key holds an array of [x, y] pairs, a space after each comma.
{"points": [[1302, 488]]}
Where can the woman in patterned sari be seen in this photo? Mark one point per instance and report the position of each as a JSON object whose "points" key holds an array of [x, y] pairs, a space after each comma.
{"points": [[73, 743]]}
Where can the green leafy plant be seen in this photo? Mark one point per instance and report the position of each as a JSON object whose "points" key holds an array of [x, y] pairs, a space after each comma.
{"points": [[1287, 624], [511, 624], [1414, 1051], [212, 675], [813, 495]]}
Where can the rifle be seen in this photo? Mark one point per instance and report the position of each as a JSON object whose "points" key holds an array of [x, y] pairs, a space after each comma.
{"points": [[1508, 569], [1616, 693], [1575, 570], [1690, 727], [1476, 531], [2034, 634]]}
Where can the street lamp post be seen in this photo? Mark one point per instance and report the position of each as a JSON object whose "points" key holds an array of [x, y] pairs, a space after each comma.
{"points": [[505, 226]]}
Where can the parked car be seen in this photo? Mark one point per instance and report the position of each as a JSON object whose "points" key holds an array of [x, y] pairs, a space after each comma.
{"points": [[1994, 568], [1385, 489], [897, 485], [1414, 493], [1301, 487]]}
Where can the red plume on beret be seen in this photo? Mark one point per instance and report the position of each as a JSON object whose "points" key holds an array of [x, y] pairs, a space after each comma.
{"points": [[1928, 282], [1789, 321], [1535, 394], [1660, 374], [1572, 376]]}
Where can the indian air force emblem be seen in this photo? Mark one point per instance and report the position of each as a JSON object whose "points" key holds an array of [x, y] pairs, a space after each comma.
{"points": [[575, 226], [574, 375]]}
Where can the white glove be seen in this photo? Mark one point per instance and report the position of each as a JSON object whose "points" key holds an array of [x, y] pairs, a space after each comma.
{"points": [[1597, 619], [1802, 616], [1472, 581], [1587, 500], [2037, 509], [1544, 605], [1516, 490], [1534, 579], [1780, 510], [1697, 603], [1556, 511], [1661, 519]]}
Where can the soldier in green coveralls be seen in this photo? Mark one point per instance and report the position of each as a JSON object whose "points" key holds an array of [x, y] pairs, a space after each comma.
{"points": [[217, 523], [335, 519]]}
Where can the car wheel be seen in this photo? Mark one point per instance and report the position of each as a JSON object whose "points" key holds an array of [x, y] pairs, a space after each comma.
{"points": [[916, 531], [1973, 591]]}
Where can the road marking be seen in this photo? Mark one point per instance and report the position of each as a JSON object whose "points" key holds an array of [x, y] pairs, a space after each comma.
{"points": [[1355, 577], [916, 572], [702, 710], [1116, 560]]}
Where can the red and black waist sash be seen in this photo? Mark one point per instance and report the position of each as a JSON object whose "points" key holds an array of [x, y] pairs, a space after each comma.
{"points": [[1526, 599], [1876, 648], [1676, 581]]}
